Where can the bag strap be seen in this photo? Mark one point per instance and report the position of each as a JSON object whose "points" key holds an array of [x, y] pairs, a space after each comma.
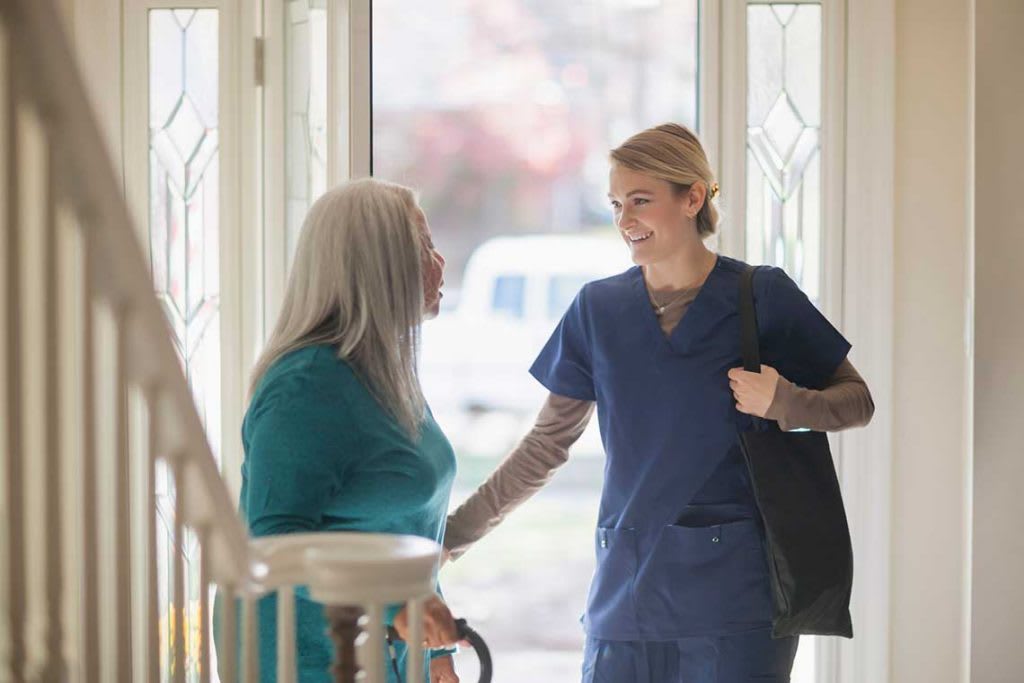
{"points": [[748, 322]]}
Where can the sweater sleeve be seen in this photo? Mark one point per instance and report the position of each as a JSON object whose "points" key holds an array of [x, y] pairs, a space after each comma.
{"points": [[844, 402], [526, 469]]}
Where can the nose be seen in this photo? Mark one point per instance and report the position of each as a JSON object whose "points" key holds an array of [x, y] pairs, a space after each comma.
{"points": [[624, 220]]}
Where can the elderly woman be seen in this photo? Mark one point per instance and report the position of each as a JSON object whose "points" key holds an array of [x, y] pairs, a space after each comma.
{"points": [[338, 436]]}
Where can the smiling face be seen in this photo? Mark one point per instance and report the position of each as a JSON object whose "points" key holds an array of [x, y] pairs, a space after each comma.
{"points": [[655, 220], [433, 269]]}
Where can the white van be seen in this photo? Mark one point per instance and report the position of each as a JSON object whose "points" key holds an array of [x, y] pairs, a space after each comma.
{"points": [[476, 358]]}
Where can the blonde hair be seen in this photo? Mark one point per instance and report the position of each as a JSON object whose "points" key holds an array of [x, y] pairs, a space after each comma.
{"points": [[357, 285], [672, 153]]}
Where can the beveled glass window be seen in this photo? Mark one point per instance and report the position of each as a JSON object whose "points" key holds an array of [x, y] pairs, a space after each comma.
{"points": [[784, 140], [184, 236]]}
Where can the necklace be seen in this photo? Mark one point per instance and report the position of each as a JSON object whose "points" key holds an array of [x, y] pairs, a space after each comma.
{"points": [[659, 309], [681, 295]]}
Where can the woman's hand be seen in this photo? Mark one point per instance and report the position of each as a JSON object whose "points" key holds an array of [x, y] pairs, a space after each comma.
{"points": [[438, 624], [442, 670], [754, 392]]}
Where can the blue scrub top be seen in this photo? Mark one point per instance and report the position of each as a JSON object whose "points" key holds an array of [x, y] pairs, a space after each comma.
{"points": [[680, 549]]}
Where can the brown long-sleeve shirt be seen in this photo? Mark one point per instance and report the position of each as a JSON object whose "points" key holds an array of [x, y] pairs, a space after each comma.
{"points": [[845, 402]]}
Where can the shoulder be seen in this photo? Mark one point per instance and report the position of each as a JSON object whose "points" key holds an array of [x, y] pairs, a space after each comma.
{"points": [[769, 281], [306, 381], [609, 289]]}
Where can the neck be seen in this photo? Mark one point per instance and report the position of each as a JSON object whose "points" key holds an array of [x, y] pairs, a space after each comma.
{"points": [[684, 270]]}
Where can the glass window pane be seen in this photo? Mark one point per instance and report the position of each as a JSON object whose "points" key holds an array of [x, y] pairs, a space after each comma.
{"points": [[784, 139], [184, 244], [305, 34], [501, 114]]}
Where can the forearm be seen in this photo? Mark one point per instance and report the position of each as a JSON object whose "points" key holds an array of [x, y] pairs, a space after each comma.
{"points": [[525, 471], [845, 402]]}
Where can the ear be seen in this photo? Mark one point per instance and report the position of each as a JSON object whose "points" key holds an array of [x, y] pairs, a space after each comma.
{"points": [[695, 198]]}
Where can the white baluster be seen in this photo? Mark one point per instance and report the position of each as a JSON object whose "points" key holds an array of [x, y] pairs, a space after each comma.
{"points": [[90, 645], [286, 665], [414, 657], [122, 489], [250, 639], [152, 625], [180, 604], [15, 393], [228, 658], [55, 666], [371, 650], [205, 660]]}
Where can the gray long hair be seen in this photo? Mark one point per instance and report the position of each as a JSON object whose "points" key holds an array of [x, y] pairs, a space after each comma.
{"points": [[356, 284]]}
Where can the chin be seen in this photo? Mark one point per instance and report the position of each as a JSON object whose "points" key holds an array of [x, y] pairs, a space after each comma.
{"points": [[431, 312], [640, 258]]}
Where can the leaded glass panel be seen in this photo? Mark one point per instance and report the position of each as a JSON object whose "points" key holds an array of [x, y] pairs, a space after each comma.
{"points": [[184, 238], [784, 140], [306, 110]]}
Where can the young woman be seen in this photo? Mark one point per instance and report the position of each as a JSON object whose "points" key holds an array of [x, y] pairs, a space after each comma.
{"points": [[681, 588], [337, 435]]}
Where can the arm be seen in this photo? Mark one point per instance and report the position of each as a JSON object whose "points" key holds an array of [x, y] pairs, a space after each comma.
{"points": [[526, 469], [844, 402], [296, 464]]}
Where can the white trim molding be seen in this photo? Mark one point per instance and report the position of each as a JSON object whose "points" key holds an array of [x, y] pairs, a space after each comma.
{"points": [[868, 321]]}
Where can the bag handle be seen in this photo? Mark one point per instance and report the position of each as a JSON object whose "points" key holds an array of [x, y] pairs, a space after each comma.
{"points": [[748, 323]]}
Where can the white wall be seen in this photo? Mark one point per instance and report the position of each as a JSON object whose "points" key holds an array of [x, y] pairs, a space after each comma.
{"points": [[930, 466], [997, 625]]}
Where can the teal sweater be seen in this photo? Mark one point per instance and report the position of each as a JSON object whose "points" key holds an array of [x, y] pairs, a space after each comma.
{"points": [[321, 454]]}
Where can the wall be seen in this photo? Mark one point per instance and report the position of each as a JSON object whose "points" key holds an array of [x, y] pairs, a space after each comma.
{"points": [[929, 475], [997, 611]]}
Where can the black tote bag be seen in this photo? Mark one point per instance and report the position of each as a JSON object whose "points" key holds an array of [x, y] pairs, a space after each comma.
{"points": [[810, 556]]}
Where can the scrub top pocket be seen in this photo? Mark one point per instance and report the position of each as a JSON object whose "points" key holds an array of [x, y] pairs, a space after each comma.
{"points": [[713, 579]]}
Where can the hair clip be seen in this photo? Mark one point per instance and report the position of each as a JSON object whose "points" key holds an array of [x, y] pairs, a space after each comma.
{"points": [[714, 190]]}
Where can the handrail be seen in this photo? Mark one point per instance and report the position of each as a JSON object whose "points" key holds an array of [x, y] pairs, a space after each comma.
{"points": [[89, 180]]}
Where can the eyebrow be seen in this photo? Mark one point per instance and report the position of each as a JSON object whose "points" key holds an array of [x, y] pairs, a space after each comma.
{"points": [[631, 193]]}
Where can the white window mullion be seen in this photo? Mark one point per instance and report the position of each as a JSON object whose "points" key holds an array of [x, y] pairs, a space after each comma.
{"points": [[833, 155], [274, 251], [733, 128], [349, 101]]}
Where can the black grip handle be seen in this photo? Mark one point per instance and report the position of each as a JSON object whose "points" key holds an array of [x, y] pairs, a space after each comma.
{"points": [[462, 628]]}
